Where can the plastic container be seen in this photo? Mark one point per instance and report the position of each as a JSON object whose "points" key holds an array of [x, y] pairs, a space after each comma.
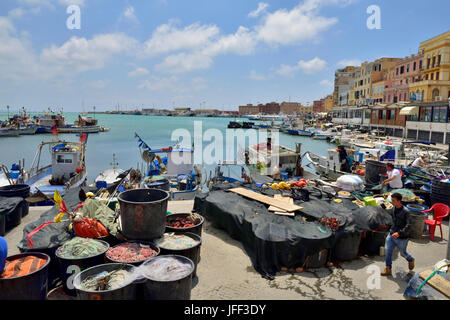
{"points": [[417, 224], [176, 289], [32, 286], [197, 229], [143, 213], [373, 171], [370, 201], [15, 190], [125, 292], [192, 253], [346, 247], [135, 263], [69, 266]]}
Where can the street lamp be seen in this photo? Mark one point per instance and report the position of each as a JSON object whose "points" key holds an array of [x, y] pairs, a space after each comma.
{"points": [[94, 112], [7, 107]]}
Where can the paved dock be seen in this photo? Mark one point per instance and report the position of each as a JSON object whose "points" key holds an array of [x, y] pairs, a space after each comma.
{"points": [[226, 273]]}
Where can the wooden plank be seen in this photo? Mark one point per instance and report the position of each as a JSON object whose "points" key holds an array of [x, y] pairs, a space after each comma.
{"points": [[438, 282], [280, 212], [267, 200]]}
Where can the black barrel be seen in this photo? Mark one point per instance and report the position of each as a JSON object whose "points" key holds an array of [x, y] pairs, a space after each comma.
{"points": [[33, 286], [67, 267], [346, 247], [143, 213], [2, 224], [125, 292], [373, 171], [440, 192], [197, 229], [163, 184], [15, 190], [373, 241], [136, 263], [191, 253], [174, 289]]}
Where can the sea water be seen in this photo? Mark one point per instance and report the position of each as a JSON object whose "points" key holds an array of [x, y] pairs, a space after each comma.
{"points": [[156, 131]]}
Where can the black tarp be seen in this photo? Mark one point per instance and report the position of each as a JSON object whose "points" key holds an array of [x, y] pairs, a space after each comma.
{"points": [[273, 241]]}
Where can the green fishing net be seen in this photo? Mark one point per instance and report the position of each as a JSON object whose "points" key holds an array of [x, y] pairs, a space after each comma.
{"points": [[81, 248]]}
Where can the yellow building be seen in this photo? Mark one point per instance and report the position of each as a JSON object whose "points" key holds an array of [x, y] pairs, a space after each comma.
{"points": [[435, 75], [329, 102], [377, 91], [352, 99]]}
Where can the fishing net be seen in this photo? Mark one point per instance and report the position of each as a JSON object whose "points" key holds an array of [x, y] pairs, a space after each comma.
{"points": [[131, 252], [173, 241], [95, 209], [107, 280], [166, 268], [407, 195], [81, 248], [273, 241]]}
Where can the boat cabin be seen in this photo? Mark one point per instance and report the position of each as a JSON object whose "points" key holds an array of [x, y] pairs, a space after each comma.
{"points": [[66, 159]]}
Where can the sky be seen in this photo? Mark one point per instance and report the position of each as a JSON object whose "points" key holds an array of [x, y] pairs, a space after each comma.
{"points": [[197, 53]]}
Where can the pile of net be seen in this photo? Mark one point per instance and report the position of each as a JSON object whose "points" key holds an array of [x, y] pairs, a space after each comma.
{"points": [[166, 268], [131, 252], [107, 280], [81, 248], [174, 241]]}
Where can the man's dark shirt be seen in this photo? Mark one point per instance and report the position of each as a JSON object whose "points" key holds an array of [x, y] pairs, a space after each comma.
{"points": [[401, 222]]}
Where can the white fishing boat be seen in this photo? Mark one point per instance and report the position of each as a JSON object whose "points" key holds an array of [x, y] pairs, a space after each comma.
{"points": [[171, 169], [109, 177], [66, 170], [326, 166], [9, 132]]}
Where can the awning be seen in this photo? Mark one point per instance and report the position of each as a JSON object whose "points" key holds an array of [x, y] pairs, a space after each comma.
{"points": [[409, 111]]}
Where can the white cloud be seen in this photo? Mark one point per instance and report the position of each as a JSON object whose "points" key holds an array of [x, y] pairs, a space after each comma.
{"points": [[168, 38], [16, 13], [158, 84], [129, 14], [261, 8], [255, 76], [242, 42], [71, 2], [184, 62], [349, 62], [309, 67], [294, 26], [326, 83], [138, 72], [80, 54]]}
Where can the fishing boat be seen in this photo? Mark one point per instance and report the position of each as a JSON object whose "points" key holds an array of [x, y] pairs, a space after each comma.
{"points": [[9, 132], [175, 164], [109, 177], [305, 133], [66, 170], [326, 166]]}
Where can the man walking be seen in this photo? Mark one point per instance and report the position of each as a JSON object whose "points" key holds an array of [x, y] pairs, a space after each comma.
{"points": [[398, 234]]}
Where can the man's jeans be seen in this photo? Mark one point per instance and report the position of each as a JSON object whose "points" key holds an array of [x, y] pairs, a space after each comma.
{"points": [[391, 243]]}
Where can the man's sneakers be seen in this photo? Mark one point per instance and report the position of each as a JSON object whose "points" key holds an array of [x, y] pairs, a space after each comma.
{"points": [[411, 265], [387, 272]]}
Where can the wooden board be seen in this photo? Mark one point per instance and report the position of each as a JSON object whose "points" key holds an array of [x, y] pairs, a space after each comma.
{"points": [[438, 282], [280, 212], [267, 200]]}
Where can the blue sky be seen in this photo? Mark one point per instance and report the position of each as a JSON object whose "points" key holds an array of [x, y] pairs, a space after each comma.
{"points": [[196, 53]]}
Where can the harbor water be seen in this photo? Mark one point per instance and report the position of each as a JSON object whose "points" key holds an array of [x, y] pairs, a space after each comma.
{"points": [[156, 131]]}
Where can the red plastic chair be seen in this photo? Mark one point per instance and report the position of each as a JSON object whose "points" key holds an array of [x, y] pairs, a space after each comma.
{"points": [[440, 211]]}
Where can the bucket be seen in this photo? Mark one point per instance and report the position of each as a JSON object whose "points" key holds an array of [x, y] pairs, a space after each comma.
{"points": [[135, 263], [162, 184], [15, 190], [125, 292], [32, 286], [346, 247], [25, 208], [14, 218], [192, 253], [197, 229], [143, 213], [69, 267], [168, 289], [373, 171], [417, 224]]}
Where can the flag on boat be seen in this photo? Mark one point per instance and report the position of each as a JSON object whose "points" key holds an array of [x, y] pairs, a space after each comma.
{"points": [[83, 137], [62, 206], [54, 130]]}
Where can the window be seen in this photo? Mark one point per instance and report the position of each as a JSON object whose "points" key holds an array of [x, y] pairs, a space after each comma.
{"points": [[402, 69], [374, 114], [426, 76], [425, 114], [383, 114], [439, 60], [437, 75], [396, 71], [432, 76], [391, 114], [420, 64], [407, 67], [440, 114], [367, 115], [428, 63], [406, 80], [414, 66], [62, 159], [434, 61]]}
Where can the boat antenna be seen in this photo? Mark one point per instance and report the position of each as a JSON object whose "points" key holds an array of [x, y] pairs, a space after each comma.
{"points": [[114, 163]]}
